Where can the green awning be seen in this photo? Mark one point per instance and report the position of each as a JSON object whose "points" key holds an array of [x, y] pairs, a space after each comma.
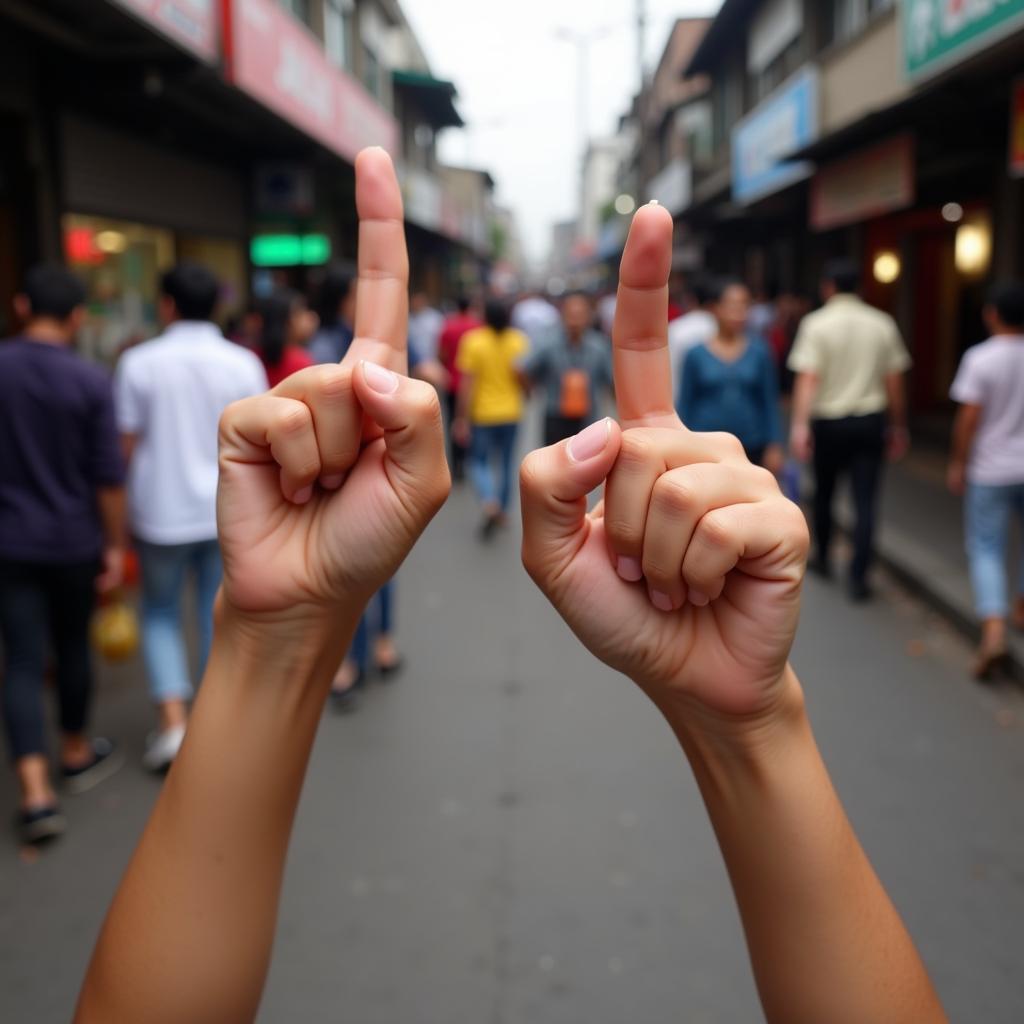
{"points": [[435, 96]]}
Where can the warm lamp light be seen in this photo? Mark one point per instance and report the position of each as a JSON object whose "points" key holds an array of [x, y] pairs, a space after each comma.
{"points": [[887, 267], [973, 248]]}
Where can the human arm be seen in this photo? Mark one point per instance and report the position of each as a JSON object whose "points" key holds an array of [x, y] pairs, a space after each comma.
{"points": [[687, 580], [317, 507], [687, 385], [805, 390], [965, 428], [896, 394], [774, 454]]}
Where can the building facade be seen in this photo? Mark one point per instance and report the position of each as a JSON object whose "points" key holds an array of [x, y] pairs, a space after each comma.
{"points": [[882, 131], [140, 133]]}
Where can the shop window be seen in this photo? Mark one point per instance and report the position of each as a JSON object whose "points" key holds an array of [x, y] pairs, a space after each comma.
{"points": [[121, 264], [339, 31], [845, 19], [766, 81], [371, 72], [300, 8]]}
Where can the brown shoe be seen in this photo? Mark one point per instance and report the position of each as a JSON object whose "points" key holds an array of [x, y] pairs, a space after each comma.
{"points": [[990, 662]]}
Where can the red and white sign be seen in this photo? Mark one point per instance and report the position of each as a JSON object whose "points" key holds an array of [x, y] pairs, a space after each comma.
{"points": [[1017, 129], [277, 60], [867, 184], [190, 23]]}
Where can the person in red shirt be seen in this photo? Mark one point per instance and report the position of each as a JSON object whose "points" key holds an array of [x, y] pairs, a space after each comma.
{"points": [[455, 326], [285, 324]]}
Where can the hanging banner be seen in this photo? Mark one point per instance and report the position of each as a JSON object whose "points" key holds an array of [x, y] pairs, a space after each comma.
{"points": [[938, 34], [189, 23]]}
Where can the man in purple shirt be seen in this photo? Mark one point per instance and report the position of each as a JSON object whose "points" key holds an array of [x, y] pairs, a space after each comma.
{"points": [[61, 538]]}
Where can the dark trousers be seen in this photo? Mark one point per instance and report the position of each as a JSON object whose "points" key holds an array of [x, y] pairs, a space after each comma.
{"points": [[40, 604], [853, 445], [558, 428], [456, 452]]}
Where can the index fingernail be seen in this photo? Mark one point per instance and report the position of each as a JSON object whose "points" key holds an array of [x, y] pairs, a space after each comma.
{"points": [[590, 442]]}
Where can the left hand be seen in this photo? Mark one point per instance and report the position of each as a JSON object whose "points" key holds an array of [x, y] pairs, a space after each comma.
{"points": [[897, 444], [112, 575], [327, 481], [774, 459]]}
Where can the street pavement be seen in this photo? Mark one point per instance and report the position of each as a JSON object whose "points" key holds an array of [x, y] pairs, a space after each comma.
{"points": [[509, 834]]}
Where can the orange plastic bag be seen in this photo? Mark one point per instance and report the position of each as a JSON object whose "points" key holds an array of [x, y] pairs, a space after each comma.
{"points": [[115, 631], [575, 397]]}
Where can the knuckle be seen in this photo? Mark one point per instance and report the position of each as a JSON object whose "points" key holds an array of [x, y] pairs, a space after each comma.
{"points": [[333, 381], [636, 449], [677, 493], [530, 474], [293, 420], [764, 479], [728, 445], [715, 530]]}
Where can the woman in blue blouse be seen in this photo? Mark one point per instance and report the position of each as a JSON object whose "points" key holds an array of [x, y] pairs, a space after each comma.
{"points": [[731, 383]]}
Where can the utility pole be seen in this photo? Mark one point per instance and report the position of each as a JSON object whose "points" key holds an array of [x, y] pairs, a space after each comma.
{"points": [[641, 42]]}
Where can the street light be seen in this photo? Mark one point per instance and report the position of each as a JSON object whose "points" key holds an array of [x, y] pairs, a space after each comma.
{"points": [[582, 41]]}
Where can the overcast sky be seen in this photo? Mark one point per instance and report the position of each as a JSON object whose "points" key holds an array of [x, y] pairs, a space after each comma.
{"points": [[517, 89]]}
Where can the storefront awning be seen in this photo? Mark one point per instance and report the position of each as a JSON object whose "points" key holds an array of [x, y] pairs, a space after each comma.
{"points": [[435, 95]]}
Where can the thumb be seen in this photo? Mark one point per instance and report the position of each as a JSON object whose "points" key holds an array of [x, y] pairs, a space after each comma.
{"points": [[409, 414], [554, 484]]}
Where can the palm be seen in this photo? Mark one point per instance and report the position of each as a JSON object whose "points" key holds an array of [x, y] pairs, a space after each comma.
{"points": [[726, 656], [278, 556]]}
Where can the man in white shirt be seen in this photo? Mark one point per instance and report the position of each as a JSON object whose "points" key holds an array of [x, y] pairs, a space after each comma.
{"points": [[696, 327], [169, 394], [536, 318], [425, 326], [849, 410], [988, 465]]}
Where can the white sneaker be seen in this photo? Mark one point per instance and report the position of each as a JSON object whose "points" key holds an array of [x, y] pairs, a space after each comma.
{"points": [[162, 748]]}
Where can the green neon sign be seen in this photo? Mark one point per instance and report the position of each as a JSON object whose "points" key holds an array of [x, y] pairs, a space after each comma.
{"points": [[289, 250]]}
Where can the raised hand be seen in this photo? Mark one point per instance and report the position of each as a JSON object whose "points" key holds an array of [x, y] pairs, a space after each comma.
{"points": [[328, 480], [687, 578]]}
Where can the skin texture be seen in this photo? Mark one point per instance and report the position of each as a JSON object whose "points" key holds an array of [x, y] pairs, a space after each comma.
{"points": [[325, 485]]}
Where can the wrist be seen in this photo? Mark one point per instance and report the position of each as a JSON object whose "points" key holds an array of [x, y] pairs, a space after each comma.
{"points": [[298, 649], [715, 741]]}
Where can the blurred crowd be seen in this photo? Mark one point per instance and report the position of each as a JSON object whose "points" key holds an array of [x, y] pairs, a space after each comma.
{"points": [[101, 474]]}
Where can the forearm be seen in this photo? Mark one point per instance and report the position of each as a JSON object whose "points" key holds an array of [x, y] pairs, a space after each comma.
{"points": [[111, 502], [463, 398], [804, 392], [896, 391], [964, 429], [825, 941], [189, 934]]}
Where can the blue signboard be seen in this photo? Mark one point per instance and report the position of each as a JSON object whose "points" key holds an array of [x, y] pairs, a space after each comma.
{"points": [[782, 124]]}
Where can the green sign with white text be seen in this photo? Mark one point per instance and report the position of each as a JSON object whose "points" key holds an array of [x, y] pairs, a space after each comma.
{"points": [[940, 33]]}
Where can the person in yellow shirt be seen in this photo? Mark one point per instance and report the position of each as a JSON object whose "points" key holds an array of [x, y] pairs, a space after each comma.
{"points": [[490, 407]]}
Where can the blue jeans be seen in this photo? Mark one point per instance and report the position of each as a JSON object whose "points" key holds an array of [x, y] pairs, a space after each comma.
{"points": [[497, 442], [378, 617], [989, 508], [164, 569]]}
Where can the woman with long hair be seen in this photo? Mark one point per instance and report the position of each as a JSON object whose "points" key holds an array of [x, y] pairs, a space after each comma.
{"points": [[284, 324]]}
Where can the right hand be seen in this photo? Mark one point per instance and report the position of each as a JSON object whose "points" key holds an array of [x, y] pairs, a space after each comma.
{"points": [[688, 578], [956, 478], [327, 481], [801, 442]]}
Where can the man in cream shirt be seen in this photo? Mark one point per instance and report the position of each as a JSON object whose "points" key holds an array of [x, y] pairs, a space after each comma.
{"points": [[849, 410]]}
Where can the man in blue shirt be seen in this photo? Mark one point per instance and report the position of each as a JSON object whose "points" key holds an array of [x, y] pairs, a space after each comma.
{"points": [[61, 538], [573, 365]]}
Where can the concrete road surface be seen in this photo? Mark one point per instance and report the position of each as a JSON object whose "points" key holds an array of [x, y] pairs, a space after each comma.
{"points": [[509, 835]]}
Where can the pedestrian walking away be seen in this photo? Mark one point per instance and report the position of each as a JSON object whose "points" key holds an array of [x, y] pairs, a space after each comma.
{"points": [[731, 384], [849, 411], [455, 328], [987, 466], [284, 325], [170, 393], [334, 305], [490, 408], [695, 327], [706, 635], [573, 367], [62, 538]]}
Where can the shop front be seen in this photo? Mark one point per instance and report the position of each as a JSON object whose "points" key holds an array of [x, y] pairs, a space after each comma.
{"points": [[130, 211]]}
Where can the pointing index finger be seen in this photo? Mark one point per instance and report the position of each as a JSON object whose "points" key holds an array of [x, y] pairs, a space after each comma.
{"points": [[382, 303], [643, 378]]}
